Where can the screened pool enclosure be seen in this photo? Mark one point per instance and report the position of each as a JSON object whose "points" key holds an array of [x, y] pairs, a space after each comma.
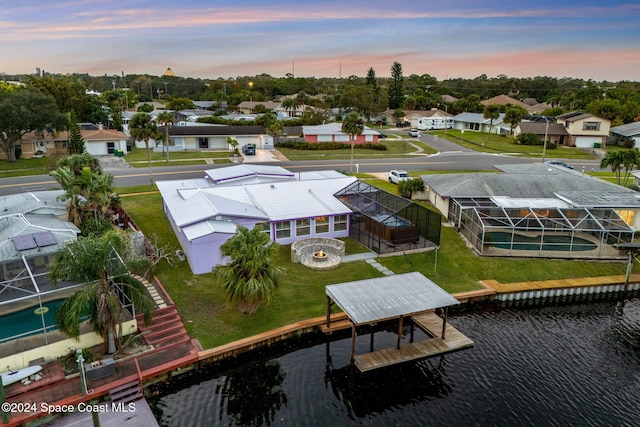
{"points": [[541, 231], [387, 223]]}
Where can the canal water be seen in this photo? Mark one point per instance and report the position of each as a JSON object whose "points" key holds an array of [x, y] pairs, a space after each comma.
{"points": [[571, 365]]}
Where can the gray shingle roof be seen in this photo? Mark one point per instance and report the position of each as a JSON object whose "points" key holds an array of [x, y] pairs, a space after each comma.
{"points": [[216, 130], [630, 129], [538, 128], [531, 181]]}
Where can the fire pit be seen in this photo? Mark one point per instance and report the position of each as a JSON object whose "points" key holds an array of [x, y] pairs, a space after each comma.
{"points": [[320, 256]]}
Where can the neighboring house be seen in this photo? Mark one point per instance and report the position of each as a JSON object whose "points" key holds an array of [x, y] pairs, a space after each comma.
{"points": [[249, 107], [529, 201], [204, 213], [539, 108], [332, 132], [211, 137], [449, 99], [585, 130], [97, 142], [192, 115], [421, 119], [207, 105], [630, 130], [104, 141], [33, 228], [530, 104], [504, 100], [553, 132], [477, 122]]}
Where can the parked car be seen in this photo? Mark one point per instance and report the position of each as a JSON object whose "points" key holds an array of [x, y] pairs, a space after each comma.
{"points": [[249, 149], [559, 163], [382, 135], [395, 176], [414, 133]]}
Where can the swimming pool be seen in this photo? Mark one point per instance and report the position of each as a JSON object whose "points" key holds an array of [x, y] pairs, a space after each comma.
{"points": [[550, 242], [29, 321]]}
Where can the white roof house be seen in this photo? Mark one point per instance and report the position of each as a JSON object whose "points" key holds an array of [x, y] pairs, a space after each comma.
{"points": [[204, 213]]}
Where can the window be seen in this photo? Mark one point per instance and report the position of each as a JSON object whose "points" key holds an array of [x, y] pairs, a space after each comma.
{"points": [[340, 222], [266, 228], [303, 227], [111, 147], [591, 126], [627, 216], [203, 142], [322, 224], [283, 229]]}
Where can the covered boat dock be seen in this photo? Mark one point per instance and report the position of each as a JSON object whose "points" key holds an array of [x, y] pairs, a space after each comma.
{"points": [[367, 302]]}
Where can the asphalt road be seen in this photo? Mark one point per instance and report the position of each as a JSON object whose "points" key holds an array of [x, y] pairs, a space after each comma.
{"points": [[451, 157]]}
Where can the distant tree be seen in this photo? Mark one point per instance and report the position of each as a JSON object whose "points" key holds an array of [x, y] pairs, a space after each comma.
{"points": [[513, 116], [76, 141], [69, 94], [23, 111], [396, 88], [354, 126], [249, 278], [398, 114], [145, 108], [491, 112], [143, 128], [178, 104], [274, 127]]}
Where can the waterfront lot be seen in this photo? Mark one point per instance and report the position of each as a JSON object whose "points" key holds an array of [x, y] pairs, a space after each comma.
{"points": [[207, 316]]}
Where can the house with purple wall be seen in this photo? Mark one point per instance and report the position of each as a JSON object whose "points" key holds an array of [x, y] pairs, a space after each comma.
{"points": [[205, 212]]}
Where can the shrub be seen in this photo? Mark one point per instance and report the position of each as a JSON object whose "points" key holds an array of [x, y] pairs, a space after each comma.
{"points": [[528, 139], [300, 145], [410, 186]]}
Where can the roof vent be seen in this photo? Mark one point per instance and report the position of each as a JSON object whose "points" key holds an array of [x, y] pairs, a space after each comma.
{"points": [[273, 186]]}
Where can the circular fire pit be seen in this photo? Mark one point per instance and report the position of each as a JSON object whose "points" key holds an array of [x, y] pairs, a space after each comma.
{"points": [[320, 256], [318, 253]]}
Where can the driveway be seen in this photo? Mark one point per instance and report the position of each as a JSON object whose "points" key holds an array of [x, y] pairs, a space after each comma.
{"points": [[442, 145], [263, 156]]}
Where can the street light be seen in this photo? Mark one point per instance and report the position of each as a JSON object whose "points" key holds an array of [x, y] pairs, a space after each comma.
{"points": [[546, 133]]}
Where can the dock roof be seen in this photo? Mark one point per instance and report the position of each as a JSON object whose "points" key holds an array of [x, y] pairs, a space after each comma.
{"points": [[388, 297]]}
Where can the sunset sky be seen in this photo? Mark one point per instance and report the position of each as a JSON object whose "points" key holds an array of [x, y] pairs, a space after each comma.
{"points": [[590, 39]]}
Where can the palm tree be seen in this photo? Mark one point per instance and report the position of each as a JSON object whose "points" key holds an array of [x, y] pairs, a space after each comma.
{"points": [[72, 192], [614, 160], [143, 128], [106, 264], [630, 161], [491, 112], [167, 119], [354, 126], [89, 192], [513, 116], [249, 278]]}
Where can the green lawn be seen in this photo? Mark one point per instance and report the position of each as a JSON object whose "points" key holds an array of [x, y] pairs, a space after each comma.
{"points": [[207, 316], [24, 167], [501, 144], [396, 147], [137, 157]]}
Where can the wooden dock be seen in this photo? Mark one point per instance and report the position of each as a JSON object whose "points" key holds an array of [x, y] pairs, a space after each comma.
{"points": [[432, 324]]}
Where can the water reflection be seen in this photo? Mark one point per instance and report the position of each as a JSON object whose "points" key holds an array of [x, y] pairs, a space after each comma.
{"points": [[571, 365]]}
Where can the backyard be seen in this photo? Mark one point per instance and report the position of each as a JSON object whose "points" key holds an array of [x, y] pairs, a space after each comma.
{"points": [[207, 316]]}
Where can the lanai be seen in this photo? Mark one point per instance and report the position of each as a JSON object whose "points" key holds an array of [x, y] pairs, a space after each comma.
{"points": [[392, 297]]}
